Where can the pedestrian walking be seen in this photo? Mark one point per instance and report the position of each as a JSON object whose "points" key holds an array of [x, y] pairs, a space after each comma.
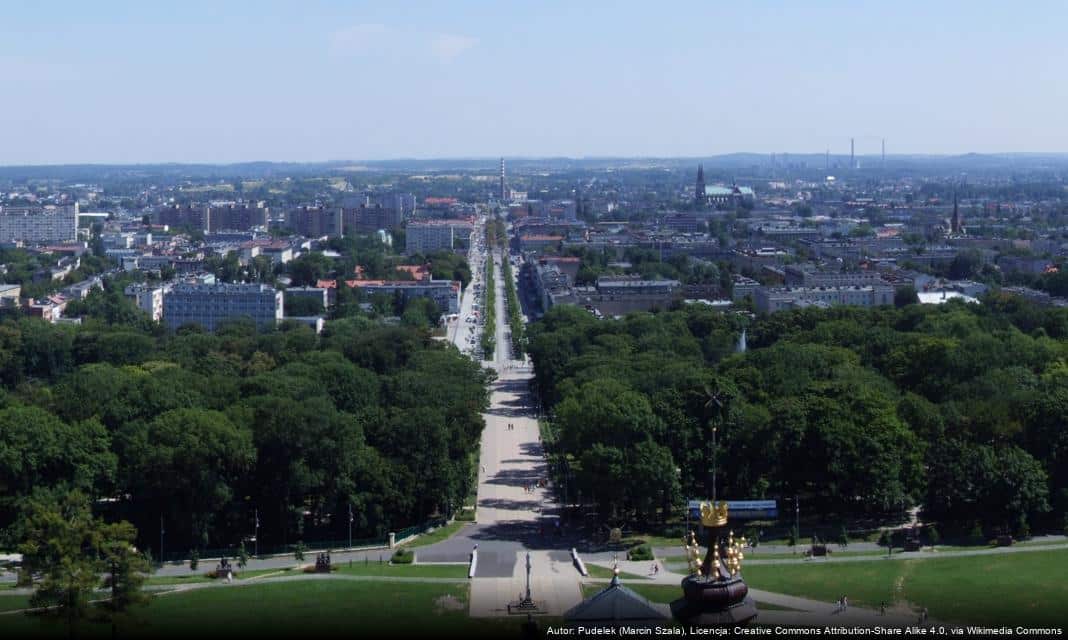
{"points": [[882, 608], [845, 603]]}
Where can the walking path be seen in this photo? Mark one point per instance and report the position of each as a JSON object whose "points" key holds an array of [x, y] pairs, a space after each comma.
{"points": [[510, 504]]}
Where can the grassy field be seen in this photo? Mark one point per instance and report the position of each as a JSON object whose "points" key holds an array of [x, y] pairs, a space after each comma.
{"points": [[606, 573], [313, 608], [1022, 588], [203, 577], [404, 570], [12, 603], [437, 535]]}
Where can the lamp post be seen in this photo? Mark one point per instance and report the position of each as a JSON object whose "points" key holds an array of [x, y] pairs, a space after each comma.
{"points": [[713, 465], [797, 518], [256, 536], [350, 525]]}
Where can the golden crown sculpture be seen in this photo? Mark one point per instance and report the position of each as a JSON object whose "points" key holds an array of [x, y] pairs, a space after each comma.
{"points": [[713, 514]]}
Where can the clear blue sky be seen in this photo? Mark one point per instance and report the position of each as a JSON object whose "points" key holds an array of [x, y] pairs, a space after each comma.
{"points": [[227, 81]]}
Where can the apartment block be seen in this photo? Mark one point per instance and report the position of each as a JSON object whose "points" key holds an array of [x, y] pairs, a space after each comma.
{"points": [[210, 305]]}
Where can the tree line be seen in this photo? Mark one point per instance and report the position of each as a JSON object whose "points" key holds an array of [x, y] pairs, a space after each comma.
{"points": [[958, 408], [195, 432]]}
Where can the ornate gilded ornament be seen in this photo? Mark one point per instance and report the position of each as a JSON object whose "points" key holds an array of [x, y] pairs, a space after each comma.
{"points": [[714, 514]]}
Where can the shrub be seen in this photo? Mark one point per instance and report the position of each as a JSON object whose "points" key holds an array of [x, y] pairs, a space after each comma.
{"points": [[298, 551], [933, 537], [466, 515], [1066, 524], [675, 532], [402, 556], [843, 536], [976, 533], [640, 552], [194, 560], [242, 556]]}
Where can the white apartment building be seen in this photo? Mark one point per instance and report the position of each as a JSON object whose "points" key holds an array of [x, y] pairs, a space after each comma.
{"points": [[148, 299]]}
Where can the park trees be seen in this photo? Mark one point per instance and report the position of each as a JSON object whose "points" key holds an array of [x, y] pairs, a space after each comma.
{"points": [[855, 409], [185, 464], [70, 549], [38, 450]]}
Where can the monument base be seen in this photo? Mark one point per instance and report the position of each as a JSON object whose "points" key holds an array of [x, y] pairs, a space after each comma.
{"points": [[714, 603]]}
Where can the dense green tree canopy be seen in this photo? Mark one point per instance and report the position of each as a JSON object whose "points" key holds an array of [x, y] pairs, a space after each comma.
{"points": [[853, 409]]}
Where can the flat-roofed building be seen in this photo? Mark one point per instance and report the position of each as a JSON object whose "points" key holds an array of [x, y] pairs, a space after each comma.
{"points": [[772, 299], [315, 222], [444, 293], [148, 299], [434, 235], [210, 305], [39, 225]]}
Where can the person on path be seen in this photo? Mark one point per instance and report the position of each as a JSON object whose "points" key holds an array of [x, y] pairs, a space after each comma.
{"points": [[845, 603]]}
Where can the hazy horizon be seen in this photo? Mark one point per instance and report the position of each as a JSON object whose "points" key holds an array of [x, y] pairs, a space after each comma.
{"points": [[199, 83]]}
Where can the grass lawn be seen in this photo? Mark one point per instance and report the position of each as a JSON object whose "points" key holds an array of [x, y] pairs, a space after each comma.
{"points": [[437, 535], [1010, 589], [11, 603], [652, 541], [203, 577], [312, 608], [458, 571], [606, 573]]}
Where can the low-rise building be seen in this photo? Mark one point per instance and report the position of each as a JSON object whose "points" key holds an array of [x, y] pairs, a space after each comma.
{"points": [[444, 293], [797, 276], [9, 295], [772, 299], [743, 287], [210, 305]]}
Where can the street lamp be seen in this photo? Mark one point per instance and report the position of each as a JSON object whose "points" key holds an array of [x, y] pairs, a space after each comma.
{"points": [[713, 465], [797, 520], [256, 539]]}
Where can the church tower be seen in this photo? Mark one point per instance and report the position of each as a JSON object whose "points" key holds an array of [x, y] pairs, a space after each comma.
{"points": [[699, 196]]}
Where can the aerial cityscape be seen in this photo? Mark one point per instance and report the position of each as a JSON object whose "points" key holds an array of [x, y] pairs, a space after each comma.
{"points": [[466, 383]]}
